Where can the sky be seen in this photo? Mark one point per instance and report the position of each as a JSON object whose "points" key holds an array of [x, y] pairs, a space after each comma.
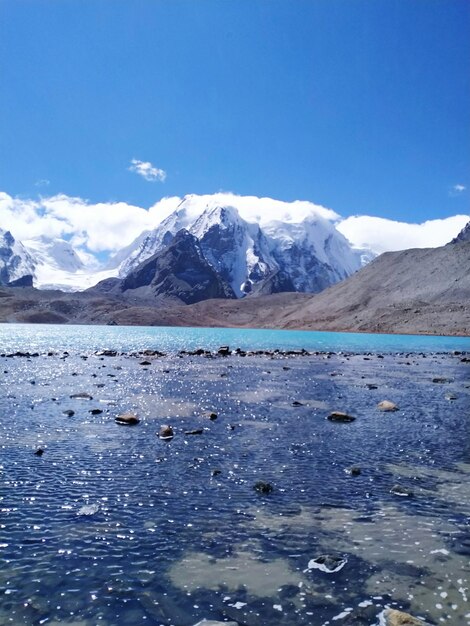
{"points": [[356, 105]]}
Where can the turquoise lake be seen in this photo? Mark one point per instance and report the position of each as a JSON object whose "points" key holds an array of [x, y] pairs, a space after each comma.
{"points": [[38, 337]]}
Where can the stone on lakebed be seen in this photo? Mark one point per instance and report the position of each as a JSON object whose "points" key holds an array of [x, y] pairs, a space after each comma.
{"points": [[387, 406], [166, 432], [392, 617], [127, 419], [339, 416]]}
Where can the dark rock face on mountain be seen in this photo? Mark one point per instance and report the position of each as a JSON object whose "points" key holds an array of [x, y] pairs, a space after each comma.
{"points": [[464, 235], [23, 281], [179, 271], [15, 262]]}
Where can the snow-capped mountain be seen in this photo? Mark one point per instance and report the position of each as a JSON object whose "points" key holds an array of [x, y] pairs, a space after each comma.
{"points": [[237, 250], [58, 266], [150, 242], [307, 249], [253, 249], [15, 261]]}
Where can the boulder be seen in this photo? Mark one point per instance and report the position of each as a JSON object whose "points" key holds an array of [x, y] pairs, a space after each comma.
{"points": [[166, 432], [127, 419]]}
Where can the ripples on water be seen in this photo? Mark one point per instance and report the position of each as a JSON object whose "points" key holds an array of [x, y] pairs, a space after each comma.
{"points": [[113, 526]]}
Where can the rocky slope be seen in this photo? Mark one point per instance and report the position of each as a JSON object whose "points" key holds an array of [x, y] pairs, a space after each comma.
{"points": [[414, 291]]}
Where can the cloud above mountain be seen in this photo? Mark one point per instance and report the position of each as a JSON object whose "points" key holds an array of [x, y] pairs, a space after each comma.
{"points": [[106, 227], [382, 235], [148, 171]]}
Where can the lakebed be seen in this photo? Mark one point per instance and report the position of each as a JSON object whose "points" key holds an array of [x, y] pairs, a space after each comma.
{"points": [[112, 525]]}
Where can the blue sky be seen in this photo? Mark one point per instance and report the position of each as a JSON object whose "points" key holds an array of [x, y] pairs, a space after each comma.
{"points": [[359, 105]]}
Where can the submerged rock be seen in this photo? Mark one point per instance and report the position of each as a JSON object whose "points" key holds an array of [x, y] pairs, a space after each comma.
{"points": [[353, 470], [392, 617], [210, 415], [127, 419], [398, 490], [166, 432], [197, 431], [88, 509], [81, 396], [327, 563], [339, 416], [263, 487], [39, 452], [386, 405], [68, 412]]}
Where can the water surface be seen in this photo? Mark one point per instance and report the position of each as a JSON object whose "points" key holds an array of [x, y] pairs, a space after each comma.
{"points": [[43, 337]]}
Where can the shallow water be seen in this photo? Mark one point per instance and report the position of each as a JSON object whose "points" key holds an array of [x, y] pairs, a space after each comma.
{"points": [[113, 526]]}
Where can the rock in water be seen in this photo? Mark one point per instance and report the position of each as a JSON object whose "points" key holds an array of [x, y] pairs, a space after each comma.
{"points": [[39, 452], [210, 415], [353, 470], [386, 405], [339, 416], [392, 617], [263, 487], [81, 396], [398, 490], [88, 509], [327, 563], [166, 432], [127, 419]]}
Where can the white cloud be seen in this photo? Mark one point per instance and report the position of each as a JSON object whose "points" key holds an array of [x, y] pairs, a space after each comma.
{"points": [[382, 235], [457, 190], [147, 170], [42, 182], [255, 209], [106, 227]]}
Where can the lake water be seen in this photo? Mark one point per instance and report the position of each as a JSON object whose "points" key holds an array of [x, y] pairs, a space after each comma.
{"points": [[113, 526], [42, 338]]}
